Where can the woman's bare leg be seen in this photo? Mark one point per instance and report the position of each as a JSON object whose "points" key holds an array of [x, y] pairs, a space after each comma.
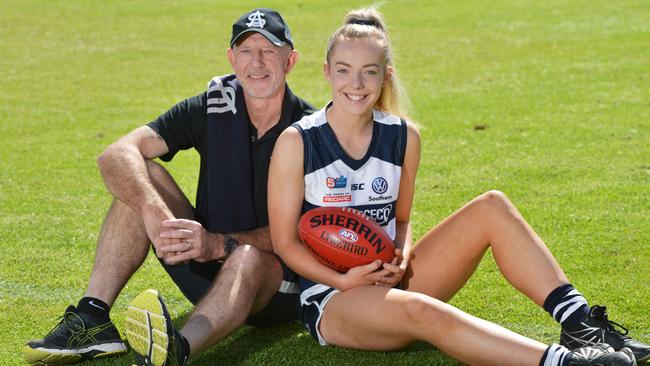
{"points": [[445, 258], [378, 318]]}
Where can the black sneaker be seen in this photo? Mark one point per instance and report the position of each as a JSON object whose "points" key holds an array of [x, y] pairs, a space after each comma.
{"points": [[597, 328], [151, 334], [77, 337], [601, 355]]}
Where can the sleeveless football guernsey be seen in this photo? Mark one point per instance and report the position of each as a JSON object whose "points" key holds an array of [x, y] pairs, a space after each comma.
{"points": [[370, 184], [333, 178]]}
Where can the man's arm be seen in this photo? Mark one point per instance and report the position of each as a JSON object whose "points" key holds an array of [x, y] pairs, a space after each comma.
{"points": [[260, 238], [123, 167], [188, 240]]}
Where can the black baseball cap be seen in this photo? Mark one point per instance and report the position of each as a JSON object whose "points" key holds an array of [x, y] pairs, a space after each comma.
{"points": [[266, 22]]}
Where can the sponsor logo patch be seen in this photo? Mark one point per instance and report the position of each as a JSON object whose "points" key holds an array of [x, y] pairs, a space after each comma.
{"points": [[339, 182], [379, 185], [343, 198], [380, 215], [379, 198]]}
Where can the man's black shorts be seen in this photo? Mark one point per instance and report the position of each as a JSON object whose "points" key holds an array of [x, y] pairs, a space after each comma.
{"points": [[194, 279]]}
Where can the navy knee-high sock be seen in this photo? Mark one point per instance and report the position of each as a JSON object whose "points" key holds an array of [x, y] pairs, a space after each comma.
{"points": [[555, 355], [567, 306]]}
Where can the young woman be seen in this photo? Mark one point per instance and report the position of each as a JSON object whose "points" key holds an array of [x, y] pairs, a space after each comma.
{"points": [[358, 152]]}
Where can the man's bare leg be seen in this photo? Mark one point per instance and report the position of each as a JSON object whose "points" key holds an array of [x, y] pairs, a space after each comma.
{"points": [[121, 248], [246, 283], [123, 243]]}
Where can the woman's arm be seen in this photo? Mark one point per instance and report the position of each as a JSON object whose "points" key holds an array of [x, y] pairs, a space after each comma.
{"points": [[404, 237], [286, 194]]}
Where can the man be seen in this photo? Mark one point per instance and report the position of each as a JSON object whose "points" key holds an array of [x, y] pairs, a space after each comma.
{"points": [[219, 253]]}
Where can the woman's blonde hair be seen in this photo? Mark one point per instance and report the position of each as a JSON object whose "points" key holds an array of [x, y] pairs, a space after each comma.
{"points": [[367, 23]]}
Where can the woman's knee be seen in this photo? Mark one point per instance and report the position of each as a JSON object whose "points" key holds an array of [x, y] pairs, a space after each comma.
{"points": [[493, 201], [421, 310], [429, 318], [494, 196]]}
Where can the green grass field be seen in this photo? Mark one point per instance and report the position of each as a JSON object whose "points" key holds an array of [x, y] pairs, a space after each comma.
{"points": [[546, 101]]}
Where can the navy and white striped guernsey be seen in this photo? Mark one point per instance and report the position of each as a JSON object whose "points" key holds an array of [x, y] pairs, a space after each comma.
{"points": [[332, 178]]}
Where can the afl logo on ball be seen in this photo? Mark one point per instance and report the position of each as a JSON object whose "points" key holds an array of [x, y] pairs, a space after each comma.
{"points": [[379, 185], [348, 235]]}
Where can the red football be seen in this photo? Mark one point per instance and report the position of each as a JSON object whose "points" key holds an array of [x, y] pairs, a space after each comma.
{"points": [[343, 238]]}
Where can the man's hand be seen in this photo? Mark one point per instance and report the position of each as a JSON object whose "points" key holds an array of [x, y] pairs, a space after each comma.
{"points": [[183, 240]]}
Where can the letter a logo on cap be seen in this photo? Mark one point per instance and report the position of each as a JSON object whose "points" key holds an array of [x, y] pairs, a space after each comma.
{"points": [[256, 20]]}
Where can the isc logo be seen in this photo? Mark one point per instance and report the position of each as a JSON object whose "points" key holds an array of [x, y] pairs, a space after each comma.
{"points": [[357, 186], [348, 235]]}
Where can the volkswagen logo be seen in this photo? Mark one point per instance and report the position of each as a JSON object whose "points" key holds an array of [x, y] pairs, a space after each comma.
{"points": [[379, 185]]}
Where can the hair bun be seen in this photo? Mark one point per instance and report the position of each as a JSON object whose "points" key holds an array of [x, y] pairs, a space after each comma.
{"points": [[370, 22], [369, 16]]}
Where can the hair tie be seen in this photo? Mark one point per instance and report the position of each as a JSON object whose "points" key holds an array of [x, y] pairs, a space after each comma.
{"points": [[369, 22]]}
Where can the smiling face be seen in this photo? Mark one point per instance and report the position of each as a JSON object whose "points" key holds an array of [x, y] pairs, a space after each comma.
{"points": [[356, 71], [260, 66]]}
